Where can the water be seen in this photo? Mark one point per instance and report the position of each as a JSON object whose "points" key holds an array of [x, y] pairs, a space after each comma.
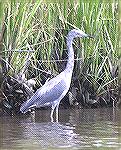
{"points": [[86, 129]]}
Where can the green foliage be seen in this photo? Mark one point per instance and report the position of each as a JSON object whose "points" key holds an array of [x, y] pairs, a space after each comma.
{"points": [[42, 26]]}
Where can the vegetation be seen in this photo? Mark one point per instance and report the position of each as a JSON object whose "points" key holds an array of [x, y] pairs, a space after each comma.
{"points": [[33, 48]]}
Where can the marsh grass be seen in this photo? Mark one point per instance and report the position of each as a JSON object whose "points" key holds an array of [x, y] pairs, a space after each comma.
{"points": [[34, 44]]}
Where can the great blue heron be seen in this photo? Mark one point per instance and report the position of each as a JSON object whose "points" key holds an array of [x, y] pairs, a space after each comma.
{"points": [[51, 93]]}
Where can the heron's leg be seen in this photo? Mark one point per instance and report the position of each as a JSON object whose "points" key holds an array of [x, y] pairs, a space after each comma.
{"points": [[33, 116], [51, 115], [52, 111], [57, 115]]}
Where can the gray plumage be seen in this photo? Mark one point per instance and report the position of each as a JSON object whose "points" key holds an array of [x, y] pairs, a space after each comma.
{"points": [[51, 93]]}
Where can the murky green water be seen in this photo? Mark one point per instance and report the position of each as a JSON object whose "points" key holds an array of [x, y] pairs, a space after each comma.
{"points": [[77, 129]]}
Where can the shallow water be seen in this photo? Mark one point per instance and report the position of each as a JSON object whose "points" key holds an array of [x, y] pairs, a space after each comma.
{"points": [[77, 129]]}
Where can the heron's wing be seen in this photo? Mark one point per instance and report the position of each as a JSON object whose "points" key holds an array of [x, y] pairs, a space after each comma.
{"points": [[47, 94], [51, 94]]}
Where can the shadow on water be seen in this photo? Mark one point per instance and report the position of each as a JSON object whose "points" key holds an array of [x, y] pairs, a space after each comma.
{"points": [[77, 129]]}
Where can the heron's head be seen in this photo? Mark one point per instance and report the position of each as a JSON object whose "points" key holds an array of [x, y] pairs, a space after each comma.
{"points": [[77, 33]]}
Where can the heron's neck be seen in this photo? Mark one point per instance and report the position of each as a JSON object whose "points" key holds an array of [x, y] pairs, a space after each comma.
{"points": [[70, 62]]}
